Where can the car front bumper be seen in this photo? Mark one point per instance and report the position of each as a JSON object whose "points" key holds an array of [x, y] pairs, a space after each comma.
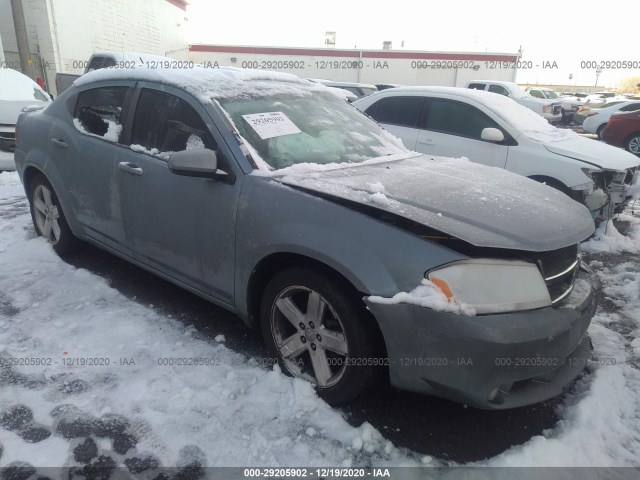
{"points": [[553, 117], [491, 361], [6, 161]]}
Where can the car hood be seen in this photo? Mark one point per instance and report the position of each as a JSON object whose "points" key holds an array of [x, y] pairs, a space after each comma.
{"points": [[484, 206], [10, 109], [594, 153]]}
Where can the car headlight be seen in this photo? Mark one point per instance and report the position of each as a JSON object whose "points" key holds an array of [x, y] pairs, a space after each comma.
{"points": [[492, 286], [547, 109]]}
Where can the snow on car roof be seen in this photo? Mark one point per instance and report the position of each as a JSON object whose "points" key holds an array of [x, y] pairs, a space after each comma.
{"points": [[207, 83], [14, 86], [523, 119]]}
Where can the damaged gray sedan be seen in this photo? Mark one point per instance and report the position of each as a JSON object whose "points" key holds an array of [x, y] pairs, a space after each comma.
{"points": [[273, 198]]}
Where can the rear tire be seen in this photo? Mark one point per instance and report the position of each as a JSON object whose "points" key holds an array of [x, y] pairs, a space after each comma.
{"points": [[632, 144], [48, 218], [317, 331], [599, 130]]}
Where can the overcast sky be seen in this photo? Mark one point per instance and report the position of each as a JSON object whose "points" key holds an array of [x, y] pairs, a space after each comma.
{"points": [[566, 32]]}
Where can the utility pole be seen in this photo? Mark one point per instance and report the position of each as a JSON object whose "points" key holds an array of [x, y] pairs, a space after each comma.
{"points": [[22, 39]]}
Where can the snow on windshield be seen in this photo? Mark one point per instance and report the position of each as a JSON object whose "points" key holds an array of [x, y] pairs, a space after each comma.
{"points": [[286, 130]]}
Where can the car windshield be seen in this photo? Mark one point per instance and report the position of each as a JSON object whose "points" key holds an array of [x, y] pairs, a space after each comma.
{"points": [[550, 94], [318, 127]]}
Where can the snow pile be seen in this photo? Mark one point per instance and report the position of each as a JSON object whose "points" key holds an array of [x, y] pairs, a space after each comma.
{"points": [[429, 295], [607, 238], [153, 151]]}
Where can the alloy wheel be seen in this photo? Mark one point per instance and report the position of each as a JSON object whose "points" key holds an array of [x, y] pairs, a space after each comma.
{"points": [[46, 214], [634, 145], [309, 336]]}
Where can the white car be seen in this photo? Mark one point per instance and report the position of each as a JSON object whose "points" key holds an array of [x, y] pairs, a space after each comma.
{"points": [[496, 131], [569, 103], [17, 92], [597, 118], [549, 109]]}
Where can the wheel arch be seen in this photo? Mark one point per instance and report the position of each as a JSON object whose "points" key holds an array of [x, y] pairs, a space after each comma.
{"points": [[268, 266]]}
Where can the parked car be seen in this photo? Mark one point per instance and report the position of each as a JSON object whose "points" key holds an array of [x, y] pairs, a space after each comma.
{"points": [[597, 118], [584, 112], [17, 91], [273, 198], [600, 98], [494, 130], [623, 130], [551, 110], [569, 103], [358, 89]]}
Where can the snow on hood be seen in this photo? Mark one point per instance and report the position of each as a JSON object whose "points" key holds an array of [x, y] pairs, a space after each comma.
{"points": [[596, 153], [208, 83], [484, 206]]}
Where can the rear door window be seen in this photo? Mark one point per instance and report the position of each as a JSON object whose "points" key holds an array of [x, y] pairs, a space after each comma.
{"points": [[631, 107], [164, 123], [98, 112], [402, 111], [456, 118]]}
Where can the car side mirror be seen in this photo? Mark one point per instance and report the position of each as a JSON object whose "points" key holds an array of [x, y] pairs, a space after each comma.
{"points": [[197, 162], [492, 135]]}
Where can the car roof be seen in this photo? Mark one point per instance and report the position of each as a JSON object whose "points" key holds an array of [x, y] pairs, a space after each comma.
{"points": [[346, 84], [207, 83], [478, 95], [11, 81]]}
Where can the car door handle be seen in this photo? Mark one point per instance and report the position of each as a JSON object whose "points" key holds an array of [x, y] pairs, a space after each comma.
{"points": [[59, 142], [426, 141], [131, 168]]}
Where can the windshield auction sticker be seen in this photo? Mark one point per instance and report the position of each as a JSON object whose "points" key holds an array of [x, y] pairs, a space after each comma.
{"points": [[271, 124]]}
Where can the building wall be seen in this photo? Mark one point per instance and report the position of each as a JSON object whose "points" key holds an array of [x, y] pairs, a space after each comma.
{"points": [[63, 34], [364, 66]]}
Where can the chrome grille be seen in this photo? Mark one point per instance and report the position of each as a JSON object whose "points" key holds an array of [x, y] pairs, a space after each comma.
{"points": [[559, 269], [7, 141], [557, 109]]}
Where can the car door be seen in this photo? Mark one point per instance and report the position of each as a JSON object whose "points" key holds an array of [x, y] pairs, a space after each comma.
{"points": [[85, 151], [452, 128], [181, 226], [399, 115]]}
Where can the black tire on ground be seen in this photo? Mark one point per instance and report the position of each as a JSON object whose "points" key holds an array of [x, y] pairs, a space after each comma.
{"points": [[67, 241], [599, 130], [632, 143], [360, 333]]}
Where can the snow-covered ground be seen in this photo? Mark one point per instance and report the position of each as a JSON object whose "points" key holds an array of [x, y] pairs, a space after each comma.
{"points": [[233, 411]]}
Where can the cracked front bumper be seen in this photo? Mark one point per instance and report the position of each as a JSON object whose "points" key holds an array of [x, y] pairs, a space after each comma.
{"points": [[491, 361]]}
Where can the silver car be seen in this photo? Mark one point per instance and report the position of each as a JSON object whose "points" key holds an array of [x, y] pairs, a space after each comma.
{"points": [[273, 198]]}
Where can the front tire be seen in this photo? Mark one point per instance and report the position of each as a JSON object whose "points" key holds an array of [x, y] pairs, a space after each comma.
{"points": [[48, 217], [599, 130], [319, 332]]}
